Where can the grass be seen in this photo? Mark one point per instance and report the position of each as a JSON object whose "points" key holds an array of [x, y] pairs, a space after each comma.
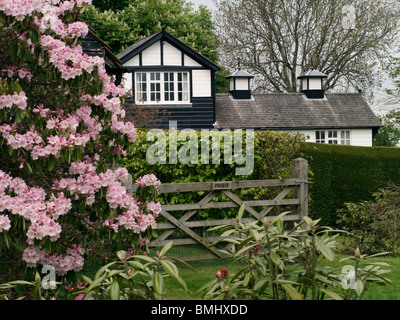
{"points": [[205, 272]]}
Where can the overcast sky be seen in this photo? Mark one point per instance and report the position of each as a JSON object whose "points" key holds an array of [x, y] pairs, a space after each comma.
{"points": [[208, 3]]}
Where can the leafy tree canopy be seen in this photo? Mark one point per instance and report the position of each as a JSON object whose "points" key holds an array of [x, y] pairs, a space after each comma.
{"points": [[120, 24]]}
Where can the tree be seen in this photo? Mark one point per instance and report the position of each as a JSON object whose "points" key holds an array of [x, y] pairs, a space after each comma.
{"points": [[132, 20], [278, 39], [139, 19], [62, 136], [393, 69], [389, 134]]}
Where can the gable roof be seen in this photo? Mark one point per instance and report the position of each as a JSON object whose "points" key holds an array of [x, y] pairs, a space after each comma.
{"points": [[144, 43], [293, 111], [312, 74]]}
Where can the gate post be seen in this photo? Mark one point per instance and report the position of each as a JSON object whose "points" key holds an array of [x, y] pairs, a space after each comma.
{"points": [[300, 173]]}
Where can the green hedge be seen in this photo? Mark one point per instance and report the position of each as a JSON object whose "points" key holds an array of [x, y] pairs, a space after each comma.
{"points": [[347, 174], [273, 155]]}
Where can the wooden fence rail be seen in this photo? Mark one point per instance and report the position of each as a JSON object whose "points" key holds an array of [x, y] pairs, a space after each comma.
{"points": [[295, 186]]}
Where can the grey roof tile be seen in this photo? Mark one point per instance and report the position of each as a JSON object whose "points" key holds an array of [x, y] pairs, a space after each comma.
{"points": [[294, 111]]}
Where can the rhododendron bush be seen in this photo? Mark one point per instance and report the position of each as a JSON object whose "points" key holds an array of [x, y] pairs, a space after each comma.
{"points": [[62, 135]]}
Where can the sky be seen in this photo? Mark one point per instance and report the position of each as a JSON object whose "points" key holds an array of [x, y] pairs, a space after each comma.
{"points": [[208, 3]]}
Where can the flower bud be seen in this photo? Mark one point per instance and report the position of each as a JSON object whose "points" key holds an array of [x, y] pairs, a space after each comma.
{"points": [[266, 223], [121, 255], [357, 253], [37, 277]]}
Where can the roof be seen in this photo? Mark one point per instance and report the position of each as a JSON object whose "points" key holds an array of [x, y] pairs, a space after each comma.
{"points": [[240, 74], [312, 74], [293, 111], [144, 43]]}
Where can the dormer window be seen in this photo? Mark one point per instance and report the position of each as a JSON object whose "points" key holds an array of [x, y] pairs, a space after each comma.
{"points": [[312, 84], [162, 87]]}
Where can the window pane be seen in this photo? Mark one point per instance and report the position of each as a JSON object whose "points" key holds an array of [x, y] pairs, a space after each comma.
{"points": [[157, 76]]}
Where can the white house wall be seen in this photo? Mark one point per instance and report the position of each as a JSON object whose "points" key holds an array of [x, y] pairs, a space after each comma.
{"points": [[152, 55], [361, 137], [134, 62], [201, 83], [127, 81], [172, 55], [189, 62], [358, 137], [242, 84]]}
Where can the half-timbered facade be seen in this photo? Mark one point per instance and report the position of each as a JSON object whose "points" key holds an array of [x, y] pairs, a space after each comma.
{"points": [[163, 73], [166, 74]]}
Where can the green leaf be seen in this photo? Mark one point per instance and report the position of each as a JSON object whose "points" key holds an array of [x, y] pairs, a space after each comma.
{"points": [[145, 258], [275, 258], [292, 292], [136, 265], [87, 279], [359, 286], [325, 250], [241, 211], [182, 263], [51, 164], [166, 248], [333, 295], [170, 268], [158, 283], [115, 293]]}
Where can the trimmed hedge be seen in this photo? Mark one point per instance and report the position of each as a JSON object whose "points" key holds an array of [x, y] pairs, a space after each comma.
{"points": [[273, 155], [347, 174]]}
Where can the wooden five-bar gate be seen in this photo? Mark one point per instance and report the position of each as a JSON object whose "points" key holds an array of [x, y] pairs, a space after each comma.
{"points": [[296, 186]]}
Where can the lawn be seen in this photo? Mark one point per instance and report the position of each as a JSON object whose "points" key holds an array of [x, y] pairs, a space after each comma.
{"points": [[205, 272]]}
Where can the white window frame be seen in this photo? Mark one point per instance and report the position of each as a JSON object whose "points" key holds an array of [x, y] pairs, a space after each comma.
{"points": [[177, 88], [320, 136], [345, 137], [333, 136]]}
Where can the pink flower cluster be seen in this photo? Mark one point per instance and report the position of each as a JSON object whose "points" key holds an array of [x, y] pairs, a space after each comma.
{"points": [[70, 60], [154, 207], [31, 140], [68, 131], [19, 199], [20, 8], [132, 219], [21, 73], [72, 261], [148, 180], [109, 104], [17, 99], [5, 223], [88, 183], [127, 128]]}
